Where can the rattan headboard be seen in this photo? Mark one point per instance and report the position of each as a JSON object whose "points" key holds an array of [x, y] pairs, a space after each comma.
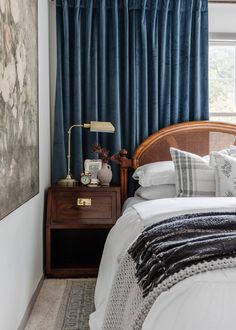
{"points": [[199, 137]]}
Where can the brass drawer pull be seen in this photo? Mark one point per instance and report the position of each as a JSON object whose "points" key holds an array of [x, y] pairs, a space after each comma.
{"points": [[84, 202]]}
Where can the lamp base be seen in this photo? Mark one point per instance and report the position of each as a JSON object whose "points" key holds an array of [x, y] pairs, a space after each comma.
{"points": [[67, 182]]}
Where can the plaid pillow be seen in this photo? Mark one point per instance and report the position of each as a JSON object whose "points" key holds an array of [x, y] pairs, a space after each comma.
{"points": [[194, 176]]}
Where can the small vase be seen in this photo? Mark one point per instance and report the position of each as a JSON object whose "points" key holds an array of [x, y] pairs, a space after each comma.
{"points": [[105, 174]]}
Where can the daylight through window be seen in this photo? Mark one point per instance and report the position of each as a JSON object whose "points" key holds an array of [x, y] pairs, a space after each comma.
{"points": [[222, 81]]}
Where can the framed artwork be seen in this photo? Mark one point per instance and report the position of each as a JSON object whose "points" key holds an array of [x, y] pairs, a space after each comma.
{"points": [[19, 140], [93, 166]]}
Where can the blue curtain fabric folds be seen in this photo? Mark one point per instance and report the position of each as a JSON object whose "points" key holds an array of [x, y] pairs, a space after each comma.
{"points": [[141, 64]]}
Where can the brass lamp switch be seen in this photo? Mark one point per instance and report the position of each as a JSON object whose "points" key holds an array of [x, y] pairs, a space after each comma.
{"points": [[84, 202]]}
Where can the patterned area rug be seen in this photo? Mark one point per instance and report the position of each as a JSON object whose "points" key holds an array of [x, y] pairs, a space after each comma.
{"points": [[76, 305]]}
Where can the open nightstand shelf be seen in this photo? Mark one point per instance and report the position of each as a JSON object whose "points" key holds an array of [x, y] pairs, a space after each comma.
{"points": [[75, 234]]}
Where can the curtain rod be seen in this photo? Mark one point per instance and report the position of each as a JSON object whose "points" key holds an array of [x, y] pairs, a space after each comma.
{"points": [[211, 1]]}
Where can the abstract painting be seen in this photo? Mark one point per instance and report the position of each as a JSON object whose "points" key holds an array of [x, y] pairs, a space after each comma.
{"points": [[19, 141]]}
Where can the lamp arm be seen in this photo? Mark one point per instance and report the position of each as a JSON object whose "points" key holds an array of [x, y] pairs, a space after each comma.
{"points": [[69, 149], [76, 125]]}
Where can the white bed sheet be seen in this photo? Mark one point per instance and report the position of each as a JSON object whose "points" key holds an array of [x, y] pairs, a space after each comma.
{"points": [[189, 305], [132, 201]]}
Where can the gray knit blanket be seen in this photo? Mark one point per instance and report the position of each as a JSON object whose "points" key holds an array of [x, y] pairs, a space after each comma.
{"points": [[163, 255]]}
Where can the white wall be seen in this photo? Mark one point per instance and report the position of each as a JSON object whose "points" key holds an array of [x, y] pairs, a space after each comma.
{"points": [[53, 58], [21, 233], [222, 18]]}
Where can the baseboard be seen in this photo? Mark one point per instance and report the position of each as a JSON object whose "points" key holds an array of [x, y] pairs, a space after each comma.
{"points": [[30, 306]]}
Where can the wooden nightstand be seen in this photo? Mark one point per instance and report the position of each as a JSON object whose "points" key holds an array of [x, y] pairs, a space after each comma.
{"points": [[76, 231]]}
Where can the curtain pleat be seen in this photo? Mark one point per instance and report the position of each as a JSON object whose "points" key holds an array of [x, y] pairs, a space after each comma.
{"points": [[141, 64]]}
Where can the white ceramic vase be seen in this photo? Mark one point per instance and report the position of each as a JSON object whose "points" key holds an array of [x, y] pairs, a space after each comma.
{"points": [[105, 174]]}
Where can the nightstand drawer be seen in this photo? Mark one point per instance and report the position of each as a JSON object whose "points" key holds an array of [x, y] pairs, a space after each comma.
{"points": [[67, 208]]}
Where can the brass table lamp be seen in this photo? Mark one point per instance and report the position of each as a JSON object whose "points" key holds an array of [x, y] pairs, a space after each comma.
{"points": [[94, 126]]}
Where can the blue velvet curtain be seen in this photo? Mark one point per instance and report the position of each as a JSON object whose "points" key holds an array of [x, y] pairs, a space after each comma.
{"points": [[141, 64]]}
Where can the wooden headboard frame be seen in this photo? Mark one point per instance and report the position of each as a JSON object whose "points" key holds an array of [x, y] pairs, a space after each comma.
{"points": [[166, 134]]}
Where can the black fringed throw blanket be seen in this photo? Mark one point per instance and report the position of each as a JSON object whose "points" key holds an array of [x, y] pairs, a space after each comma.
{"points": [[174, 244], [163, 255]]}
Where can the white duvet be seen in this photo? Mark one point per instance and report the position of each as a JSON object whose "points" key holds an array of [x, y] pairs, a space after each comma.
{"points": [[205, 301]]}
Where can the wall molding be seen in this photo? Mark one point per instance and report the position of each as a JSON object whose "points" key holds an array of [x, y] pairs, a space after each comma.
{"points": [[30, 305], [222, 1], [219, 36]]}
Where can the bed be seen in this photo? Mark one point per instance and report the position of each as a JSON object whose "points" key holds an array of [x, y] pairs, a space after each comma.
{"points": [[204, 300]]}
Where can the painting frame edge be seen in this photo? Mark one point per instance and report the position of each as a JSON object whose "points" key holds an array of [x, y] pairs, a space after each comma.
{"points": [[36, 192]]}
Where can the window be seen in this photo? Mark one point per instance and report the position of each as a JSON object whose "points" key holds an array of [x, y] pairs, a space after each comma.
{"points": [[222, 81]]}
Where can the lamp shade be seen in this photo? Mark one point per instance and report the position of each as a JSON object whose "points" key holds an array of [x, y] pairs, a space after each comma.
{"points": [[100, 126]]}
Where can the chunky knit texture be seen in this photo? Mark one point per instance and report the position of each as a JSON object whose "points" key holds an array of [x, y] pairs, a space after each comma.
{"points": [[128, 306], [179, 242]]}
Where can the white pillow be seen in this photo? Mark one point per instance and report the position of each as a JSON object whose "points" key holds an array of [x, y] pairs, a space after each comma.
{"points": [[154, 174], [194, 176], [223, 151], [156, 192], [232, 150], [225, 174]]}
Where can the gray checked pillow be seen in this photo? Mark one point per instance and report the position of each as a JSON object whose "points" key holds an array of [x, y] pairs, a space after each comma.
{"points": [[194, 176], [225, 174]]}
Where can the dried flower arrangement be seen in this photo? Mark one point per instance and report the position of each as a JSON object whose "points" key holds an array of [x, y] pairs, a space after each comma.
{"points": [[104, 154]]}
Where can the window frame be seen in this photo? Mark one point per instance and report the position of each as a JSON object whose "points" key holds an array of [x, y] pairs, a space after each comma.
{"points": [[221, 39]]}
